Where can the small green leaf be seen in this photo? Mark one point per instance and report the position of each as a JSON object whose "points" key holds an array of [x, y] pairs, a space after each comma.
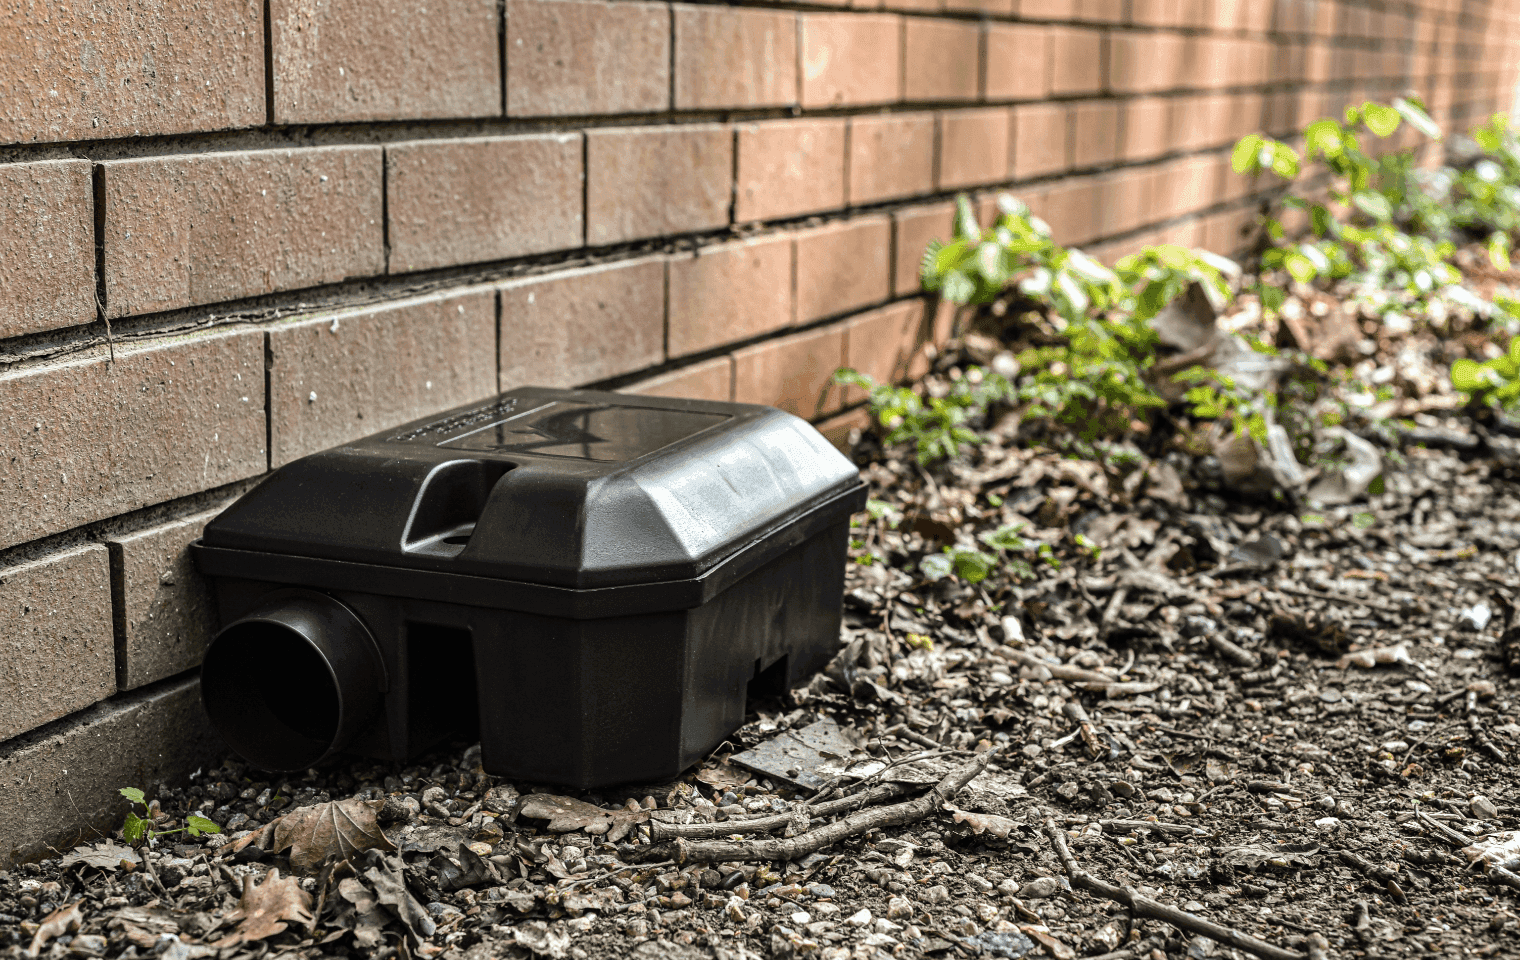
{"points": [[198, 825], [135, 828], [1498, 250], [1467, 375], [1323, 137], [133, 794], [1244, 158], [1381, 120], [1417, 117], [1374, 205]]}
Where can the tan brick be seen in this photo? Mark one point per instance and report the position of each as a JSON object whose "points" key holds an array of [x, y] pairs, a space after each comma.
{"points": [[47, 246], [1147, 128], [891, 156], [187, 230], [1076, 60], [581, 326], [345, 374], [794, 373], [912, 229], [587, 56], [59, 652], [729, 292], [1146, 62], [1095, 133], [1048, 9], [842, 267], [123, 68], [942, 59], [974, 146], [843, 430], [60, 789], [887, 344], [709, 380], [167, 611], [88, 439], [788, 168], [850, 59], [1072, 210], [1122, 204], [1018, 61], [652, 181], [1100, 11], [734, 57], [355, 60], [468, 201], [1041, 138], [996, 8]]}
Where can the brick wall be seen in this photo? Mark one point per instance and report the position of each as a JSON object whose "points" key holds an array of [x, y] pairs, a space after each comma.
{"points": [[233, 232]]}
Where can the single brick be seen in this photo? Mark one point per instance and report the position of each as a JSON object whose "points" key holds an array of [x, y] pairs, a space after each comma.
{"points": [[843, 430], [59, 652], [709, 380], [913, 228], [1018, 61], [1072, 210], [887, 344], [1041, 139], [1123, 205], [793, 373], [891, 156], [581, 326], [1095, 133], [942, 59], [1076, 60], [1147, 128], [167, 611], [1100, 11], [974, 146], [654, 181], [788, 168], [203, 228], [729, 292], [850, 59], [92, 438], [1048, 9], [47, 246], [60, 788], [355, 60], [1155, 13], [345, 374], [587, 56], [1147, 62], [122, 68], [467, 201], [729, 57], [842, 267]]}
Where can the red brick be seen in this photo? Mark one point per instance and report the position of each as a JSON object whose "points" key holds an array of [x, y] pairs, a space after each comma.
{"points": [[203, 228], [1100, 11], [580, 326], [1156, 13], [1018, 61], [89, 438], [850, 59], [587, 56], [912, 229], [1041, 138], [842, 267], [887, 344], [709, 380], [996, 8], [166, 605], [1076, 60], [974, 146], [355, 60], [1123, 204], [1146, 62], [59, 651], [121, 68], [1072, 210], [1095, 133], [734, 57], [1147, 128], [653, 181], [788, 168], [467, 201], [793, 373], [47, 246], [942, 59], [891, 156], [345, 374], [1048, 9], [60, 789], [729, 292]]}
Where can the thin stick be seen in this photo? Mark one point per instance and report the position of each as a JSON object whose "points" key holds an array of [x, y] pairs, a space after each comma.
{"points": [[1143, 906], [796, 818]]}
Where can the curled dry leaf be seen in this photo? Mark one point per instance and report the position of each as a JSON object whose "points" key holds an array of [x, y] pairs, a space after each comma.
{"points": [[982, 822], [1378, 655], [565, 814], [107, 855], [367, 921], [338, 829], [66, 919], [542, 939], [384, 873], [1501, 849], [264, 909]]}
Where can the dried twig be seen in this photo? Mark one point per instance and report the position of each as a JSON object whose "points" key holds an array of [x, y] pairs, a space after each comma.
{"points": [[796, 818], [1475, 730], [1143, 906], [794, 848]]}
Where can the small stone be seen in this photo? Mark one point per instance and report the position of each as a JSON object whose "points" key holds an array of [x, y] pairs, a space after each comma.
{"points": [[986, 912], [883, 925], [637, 928], [481, 849], [1327, 823], [1161, 795], [899, 907], [1008, 888], [398, 809], [1067, 791], [965, 927], [1040, 888], [1482, 808], [88, 945], [735, 910], [1326, 802], [860, 919], [801, 918], [1031, 750], [1122, 788], [939, 893], [820, 890], [1396, 746]]}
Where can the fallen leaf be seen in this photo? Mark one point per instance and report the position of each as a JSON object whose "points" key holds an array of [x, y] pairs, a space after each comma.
{"points": [[725, 776], [385, 874], [982, 822], [1377, 655], [264, 909], [1501, 849], [1052, 946], [106, 855], [542, 939], [565, 814], [368, 920], [341, 828], [66, 919]]}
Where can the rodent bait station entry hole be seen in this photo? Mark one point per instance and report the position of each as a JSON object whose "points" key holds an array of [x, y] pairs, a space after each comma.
{"points": [[594, 582]]}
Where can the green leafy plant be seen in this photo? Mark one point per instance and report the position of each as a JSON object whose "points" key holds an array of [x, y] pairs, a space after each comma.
{"points": [[136, 830], [937, 426], [1493, 382], [1010, 552]]}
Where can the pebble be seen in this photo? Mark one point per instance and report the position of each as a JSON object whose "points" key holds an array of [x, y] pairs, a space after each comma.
{"points": [[1326, 802], [801, 918], [1327, 823], [1040, 888], [88, 945], [939, 893], [1482, 808], [860, 919], [883, 925], [820, 890], [1008, 888], [1396, 746], [898, 907], [1067, 791], [1031, 750], [735, 910]]}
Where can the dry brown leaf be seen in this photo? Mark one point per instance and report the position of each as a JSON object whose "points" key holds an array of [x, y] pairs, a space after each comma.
{"points": [[341, 829], [565, 814], [66, 919], [1054, 947], [264, 909], [724, 775], [982, 822], [107, 855]]}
